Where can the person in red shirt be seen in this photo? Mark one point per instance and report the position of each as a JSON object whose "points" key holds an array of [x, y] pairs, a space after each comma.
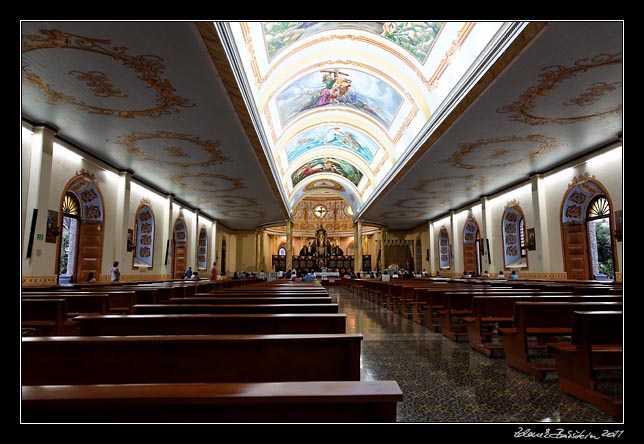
{"points": [[213, 272]]}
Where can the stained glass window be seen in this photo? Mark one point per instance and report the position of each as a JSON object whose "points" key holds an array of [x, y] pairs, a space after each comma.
{"points": [[70, 206]]}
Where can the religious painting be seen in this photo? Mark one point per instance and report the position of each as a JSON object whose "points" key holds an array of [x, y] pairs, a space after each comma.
{"points": [[52, 227], [334, 136], [415, 37], [531, 244], [327, 165], [339, 87]]}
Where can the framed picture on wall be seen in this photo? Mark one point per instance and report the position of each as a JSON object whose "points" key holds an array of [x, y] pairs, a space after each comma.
{"points": [[531, 244]]}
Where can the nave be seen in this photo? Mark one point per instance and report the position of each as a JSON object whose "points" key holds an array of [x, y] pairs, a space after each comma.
{"points": [[448, 382]]}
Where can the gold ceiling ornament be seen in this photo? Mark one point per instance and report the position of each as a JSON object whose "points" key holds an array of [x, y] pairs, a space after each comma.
{"points": [[148, 68], [208, 146], [98, 82], [551, 78], [461, 35], [457, 158], [234, 201], [448, 183], [324, 184], [403, 214], [244, 214], [208, 181], [146, 201], [423, 202], [592, 93]]}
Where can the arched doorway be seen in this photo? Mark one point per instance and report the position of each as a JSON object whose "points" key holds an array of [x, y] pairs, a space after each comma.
{"points": [[471, 246], [180, 247], [80, 249], [587, 229]]}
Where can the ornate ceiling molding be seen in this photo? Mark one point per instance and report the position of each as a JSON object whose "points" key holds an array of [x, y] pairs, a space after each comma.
{"points": [[208, 180], [457, 159], [215, 156], [551, 78], [148, 68]]}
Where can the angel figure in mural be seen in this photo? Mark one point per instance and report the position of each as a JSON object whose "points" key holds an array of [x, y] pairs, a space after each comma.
{"points": [[334, 87]]}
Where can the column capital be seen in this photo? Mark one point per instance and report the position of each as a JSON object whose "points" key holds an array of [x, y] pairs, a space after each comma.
{"points": [[44, 126]]}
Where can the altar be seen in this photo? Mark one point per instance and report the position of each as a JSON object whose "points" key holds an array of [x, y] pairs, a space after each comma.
{"points": [[323, 255]]}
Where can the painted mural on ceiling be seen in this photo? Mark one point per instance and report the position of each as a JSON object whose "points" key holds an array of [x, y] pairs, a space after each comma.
{"points": [[416, 37], [327, 165], [337, 136], [339, 87]]}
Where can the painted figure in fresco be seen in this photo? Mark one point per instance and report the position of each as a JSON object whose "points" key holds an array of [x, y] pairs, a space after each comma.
{"points": [[334, 86]]}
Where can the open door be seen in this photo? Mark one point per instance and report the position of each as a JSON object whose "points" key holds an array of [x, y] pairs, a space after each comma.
{"points": [[575, 248], [179, 259]]}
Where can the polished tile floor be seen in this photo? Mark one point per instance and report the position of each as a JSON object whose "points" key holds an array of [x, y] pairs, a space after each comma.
{"points": [[447, 382]]}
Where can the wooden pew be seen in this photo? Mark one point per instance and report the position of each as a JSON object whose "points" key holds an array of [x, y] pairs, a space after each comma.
{"points": [[77, 303], [211, 324], [491, 312], [236, 308], [120, 301], [544, 321], [253, 300], [43, 316], [596, 345], [293, 402], [190, 358]]}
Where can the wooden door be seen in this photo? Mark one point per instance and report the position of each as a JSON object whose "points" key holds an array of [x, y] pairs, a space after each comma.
{"points": [[575, 246], [179, 259], [469, 257], [90, 247]]}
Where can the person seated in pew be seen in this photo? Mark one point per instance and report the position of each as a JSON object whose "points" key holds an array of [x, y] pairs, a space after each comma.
{"points": [[288, 275], [188, 273], [500, 276], [308, 277], [514, 275], [485, 275], [195, 276], [90, 278], [235, 276]]}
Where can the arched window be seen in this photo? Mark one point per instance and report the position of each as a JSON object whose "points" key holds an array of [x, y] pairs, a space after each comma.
{"points": [[514, 237], [202, 249], [281, 251], [443, 249], [144, 229]]}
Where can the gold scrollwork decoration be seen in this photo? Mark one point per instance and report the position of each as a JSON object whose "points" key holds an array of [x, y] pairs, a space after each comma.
{"points": [[422, 202], [148, 68], [244, 214], [457, 159], [447, 183], [551, 77], [237, 202], [209, 146], [209, 182]]}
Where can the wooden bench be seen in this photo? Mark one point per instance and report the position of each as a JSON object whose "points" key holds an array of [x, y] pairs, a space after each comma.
{"points": [[596, 346], [252, 300], [491, 312], [43, 316], [236, 308], [544, 321], [77, 303], [190, 358], [120, 301], [309, 401], [211, 324]]}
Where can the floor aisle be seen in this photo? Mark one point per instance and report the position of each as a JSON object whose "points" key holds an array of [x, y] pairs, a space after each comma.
{"points": [[447, 382]]}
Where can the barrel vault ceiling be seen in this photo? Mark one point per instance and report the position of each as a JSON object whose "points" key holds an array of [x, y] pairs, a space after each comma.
{"points": [[403, 120]]}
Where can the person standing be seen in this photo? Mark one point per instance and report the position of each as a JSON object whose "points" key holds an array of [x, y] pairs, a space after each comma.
{"points": [[116, 274], [188, 273], [213, 272]]}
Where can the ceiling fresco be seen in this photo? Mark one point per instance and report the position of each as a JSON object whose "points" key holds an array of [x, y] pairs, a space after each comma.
{"points": [[405, 121]]}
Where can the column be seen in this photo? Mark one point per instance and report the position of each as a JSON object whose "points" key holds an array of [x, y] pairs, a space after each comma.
{"points": [[259, 250], [122, 216], [455, 250], [486, 234], [357, 242], [214, 257], [167, 245], [196, 240], [383, 240], [289, 244], [433, 267], [42, 149], [540, 223]]}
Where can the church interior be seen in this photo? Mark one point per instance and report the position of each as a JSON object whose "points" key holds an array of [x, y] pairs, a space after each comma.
{"points": [[407, 167]]}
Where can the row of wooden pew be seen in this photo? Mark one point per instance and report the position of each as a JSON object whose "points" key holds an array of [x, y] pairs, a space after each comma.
{"points": [[280, 353], [538, 327]]}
